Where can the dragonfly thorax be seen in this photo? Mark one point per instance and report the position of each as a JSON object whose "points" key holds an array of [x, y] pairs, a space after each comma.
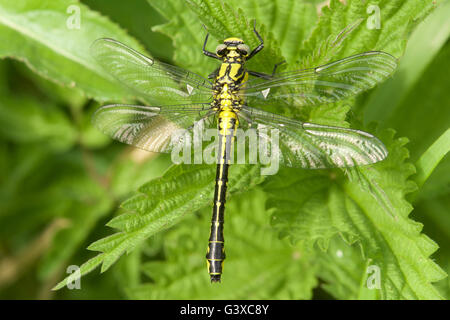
{"points": [[228, 84]]}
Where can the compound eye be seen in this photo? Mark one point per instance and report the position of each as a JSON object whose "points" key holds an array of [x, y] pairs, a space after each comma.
{"points": [[221, 49], [243, 49]]}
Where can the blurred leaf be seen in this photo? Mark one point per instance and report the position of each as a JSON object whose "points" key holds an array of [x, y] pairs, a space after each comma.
{"points": [[26, 120], [83, 216], [431, 158], [49, 41], [438, 184], [138, 17], [424, 114], [128, 270], [39, 186], [136, 168], [26, 81], [89, 136], [91, 203], [423, 46], [434, 211]]}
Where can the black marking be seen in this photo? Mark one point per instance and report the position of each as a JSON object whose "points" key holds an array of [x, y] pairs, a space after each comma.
{"points": [[216, 249]]}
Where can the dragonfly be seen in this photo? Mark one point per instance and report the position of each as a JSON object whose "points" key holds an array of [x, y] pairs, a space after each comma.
{"points": [[224, 98]]}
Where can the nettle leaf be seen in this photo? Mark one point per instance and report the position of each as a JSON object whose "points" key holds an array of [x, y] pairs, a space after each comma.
{"points": [[186, 33], [54, 42], [258, 264], [162, 203], [223, 20], [289, 21], [281, 23], [396, 18], [343, 270], [369, 205], [347, 29], [314, 207]]}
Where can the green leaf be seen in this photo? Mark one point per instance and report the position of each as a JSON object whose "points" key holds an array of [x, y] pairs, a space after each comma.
{"points": [[258, 264], [423, 115], [137, 17], [81, 218], [164, 202], [221, 21], [432, 157], [186, 33], [51, 44], [25, 120], [371, 209], [423, 46], [343, 271], [85, 268], [41, 186], [290, 22]]}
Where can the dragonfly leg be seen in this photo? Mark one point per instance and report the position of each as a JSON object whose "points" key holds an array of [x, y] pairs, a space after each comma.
{"points": [[276, 66], [206, 52], [260, 74], [266, 75], [213, 74], [260, 46]]}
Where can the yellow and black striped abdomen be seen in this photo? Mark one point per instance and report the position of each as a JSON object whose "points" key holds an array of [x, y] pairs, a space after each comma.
{"points": [[228, 102], [216, 250]]}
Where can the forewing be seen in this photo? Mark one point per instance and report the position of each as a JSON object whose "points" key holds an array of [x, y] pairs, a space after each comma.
{"points": [[313, 146], [156, 129], [325, 84], [153, 80]]}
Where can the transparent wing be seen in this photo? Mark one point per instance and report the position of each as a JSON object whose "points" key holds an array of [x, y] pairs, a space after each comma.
{"points": [[325, 84], [156, 129], [156, 81], [313, 146]]}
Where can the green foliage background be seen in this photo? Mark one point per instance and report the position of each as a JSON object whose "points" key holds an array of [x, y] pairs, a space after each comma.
{"points": [[296, 235]]}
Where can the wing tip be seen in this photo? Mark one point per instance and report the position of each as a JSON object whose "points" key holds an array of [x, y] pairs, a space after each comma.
{"points": [[97, 43]]}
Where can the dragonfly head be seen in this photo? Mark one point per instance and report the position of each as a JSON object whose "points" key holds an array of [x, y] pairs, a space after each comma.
{"points": [[233, 48]]}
